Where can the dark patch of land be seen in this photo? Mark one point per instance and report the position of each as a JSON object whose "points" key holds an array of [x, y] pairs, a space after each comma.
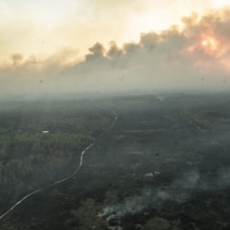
{"points": [[177, 145]]}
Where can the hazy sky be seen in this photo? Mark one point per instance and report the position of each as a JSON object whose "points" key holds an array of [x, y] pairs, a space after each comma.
{"points": [[83, 45], [44, 27]]}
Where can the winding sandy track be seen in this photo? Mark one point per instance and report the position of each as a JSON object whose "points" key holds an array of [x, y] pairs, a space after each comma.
{"points": [[72, 175]]}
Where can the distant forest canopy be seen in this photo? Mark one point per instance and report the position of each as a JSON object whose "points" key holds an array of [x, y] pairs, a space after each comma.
{"points": [[30, 158]]}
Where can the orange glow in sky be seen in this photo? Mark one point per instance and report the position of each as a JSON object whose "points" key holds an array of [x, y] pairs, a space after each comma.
{"points": [[45, 27], [209, 43], [204, 43]]}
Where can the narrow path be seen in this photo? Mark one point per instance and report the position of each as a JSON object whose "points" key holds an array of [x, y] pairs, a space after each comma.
{"points": [[193, 124], [66, 178], [159, 97]]}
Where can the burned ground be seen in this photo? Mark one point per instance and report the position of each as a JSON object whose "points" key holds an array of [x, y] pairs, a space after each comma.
{"points": [[162, 166]]}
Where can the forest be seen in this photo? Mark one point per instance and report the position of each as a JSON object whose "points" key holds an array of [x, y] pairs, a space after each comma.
{"points": [[41, 141]]}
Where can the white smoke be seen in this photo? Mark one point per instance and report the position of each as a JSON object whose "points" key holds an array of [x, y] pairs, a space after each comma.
{"points": [[179, 191], [135, 204]]}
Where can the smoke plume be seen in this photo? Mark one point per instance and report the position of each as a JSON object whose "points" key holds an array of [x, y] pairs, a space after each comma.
{"points": [[194, 57], [178, 191]]}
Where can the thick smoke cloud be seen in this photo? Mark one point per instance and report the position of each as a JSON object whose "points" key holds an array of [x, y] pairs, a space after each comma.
{"points": [[194, 57]]}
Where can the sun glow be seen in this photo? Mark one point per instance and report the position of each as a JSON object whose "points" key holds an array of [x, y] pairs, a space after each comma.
{"points": [[209, 43], [204, 43]]}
